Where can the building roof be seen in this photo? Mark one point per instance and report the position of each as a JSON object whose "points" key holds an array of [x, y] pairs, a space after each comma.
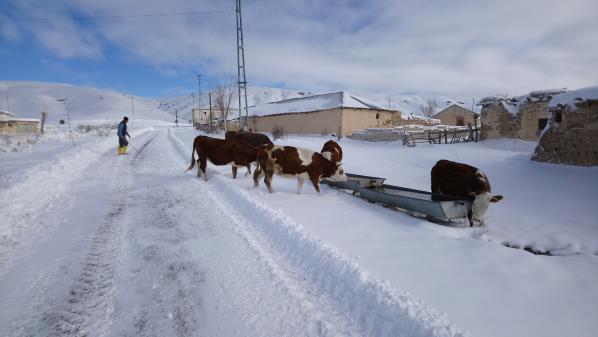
{"points": [[4, 112], [332, 100], [513, 105], [451, 107], [575, 96]]}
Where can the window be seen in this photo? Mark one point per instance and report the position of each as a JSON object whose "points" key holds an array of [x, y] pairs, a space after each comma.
{"points": [[377, 116], [460, 121], [542, 123]]}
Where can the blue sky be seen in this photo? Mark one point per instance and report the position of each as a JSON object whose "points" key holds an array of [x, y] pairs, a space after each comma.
{"points": [[468, 48]]}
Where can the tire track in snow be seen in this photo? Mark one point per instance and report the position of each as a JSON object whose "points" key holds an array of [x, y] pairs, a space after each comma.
{"points": [[158, 287], [90, 303]]}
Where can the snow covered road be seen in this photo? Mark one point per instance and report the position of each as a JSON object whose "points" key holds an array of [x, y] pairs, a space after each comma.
{"points": [[131, 246]]}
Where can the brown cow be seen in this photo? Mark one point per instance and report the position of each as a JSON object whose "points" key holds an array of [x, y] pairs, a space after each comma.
{"points": [[295, 162], [332, 151], [462, 180], [221, 152], [253, 139]]}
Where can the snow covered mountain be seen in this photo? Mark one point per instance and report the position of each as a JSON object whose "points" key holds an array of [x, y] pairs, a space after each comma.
{"points": [[255, 96], [29, 99]]}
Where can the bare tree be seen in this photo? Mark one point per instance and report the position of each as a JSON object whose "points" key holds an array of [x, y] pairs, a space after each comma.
{"points": [[225, 94], [429, 108]]}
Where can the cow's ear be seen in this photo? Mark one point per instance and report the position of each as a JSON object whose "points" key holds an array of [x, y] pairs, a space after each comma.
{"points": [[496, 198]]}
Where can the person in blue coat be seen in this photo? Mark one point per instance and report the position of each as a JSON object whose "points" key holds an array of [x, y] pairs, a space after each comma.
{"points": [[122, 132]]}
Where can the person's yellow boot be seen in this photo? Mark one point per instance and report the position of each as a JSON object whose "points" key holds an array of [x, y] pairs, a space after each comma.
{"points": [[119, 150], [124, 150]]}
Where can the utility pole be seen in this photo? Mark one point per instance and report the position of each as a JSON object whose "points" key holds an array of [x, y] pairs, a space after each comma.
{"points": [[210, 99], [241, 79], [198, 91], [176, 117], [66, 102], [389, 103]]}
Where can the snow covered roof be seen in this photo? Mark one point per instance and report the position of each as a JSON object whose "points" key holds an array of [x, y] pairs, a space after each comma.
{"points": [[544, 95], [332, 100], [4, 112], [451, 106], [575, 96]]}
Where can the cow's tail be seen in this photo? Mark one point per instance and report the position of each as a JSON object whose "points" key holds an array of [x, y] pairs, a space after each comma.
{"points": [[192, 158]]}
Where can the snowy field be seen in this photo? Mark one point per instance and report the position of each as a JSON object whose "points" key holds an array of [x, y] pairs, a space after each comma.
{"points": [[99, 245]]}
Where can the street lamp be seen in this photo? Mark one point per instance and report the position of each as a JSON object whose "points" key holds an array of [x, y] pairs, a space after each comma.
{"points": [[66, 103]]}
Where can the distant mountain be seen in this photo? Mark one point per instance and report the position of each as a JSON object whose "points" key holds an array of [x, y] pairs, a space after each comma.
{"points": [[29, 99], [255, 96]]}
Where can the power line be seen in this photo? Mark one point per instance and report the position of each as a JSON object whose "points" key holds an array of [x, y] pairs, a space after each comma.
{"points": [[107, 17]]}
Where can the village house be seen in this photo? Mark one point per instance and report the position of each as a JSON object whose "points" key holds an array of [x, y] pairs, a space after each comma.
{"points": [[9, 124], [338, 113], [571, 136], [522, 117], [201, 116], [455, 115]]}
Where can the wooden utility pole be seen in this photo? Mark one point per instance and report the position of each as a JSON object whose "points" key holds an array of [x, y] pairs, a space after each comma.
{"points": [[44, 114]]}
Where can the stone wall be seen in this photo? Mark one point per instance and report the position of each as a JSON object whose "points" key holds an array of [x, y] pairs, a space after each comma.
{"points": [[497, 122], [574, 140]]}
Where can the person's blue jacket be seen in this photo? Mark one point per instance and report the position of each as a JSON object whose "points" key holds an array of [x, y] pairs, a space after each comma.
{"points": [[122, 130]]}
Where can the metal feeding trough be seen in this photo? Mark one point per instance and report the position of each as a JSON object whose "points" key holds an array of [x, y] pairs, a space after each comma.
{"points": [[355, 181], [439, 206]]}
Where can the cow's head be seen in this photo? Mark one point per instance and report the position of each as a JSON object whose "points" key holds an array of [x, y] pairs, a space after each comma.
{"points": [[480, 205], [339, 173]]}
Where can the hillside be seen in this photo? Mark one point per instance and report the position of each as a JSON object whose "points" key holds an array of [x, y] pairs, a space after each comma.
{"points": [[29, 99]]}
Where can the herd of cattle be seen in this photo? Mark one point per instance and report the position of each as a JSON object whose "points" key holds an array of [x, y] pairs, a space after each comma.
{"points": [[244, 148]]}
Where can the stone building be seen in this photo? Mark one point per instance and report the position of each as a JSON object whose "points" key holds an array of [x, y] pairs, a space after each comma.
{"points": [[10, 124], [338, 113], [571, 136], [455, 115], [522, 117]]}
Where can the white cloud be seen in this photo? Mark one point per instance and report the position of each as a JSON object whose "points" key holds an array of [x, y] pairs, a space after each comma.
{"points": [[464, 47]]}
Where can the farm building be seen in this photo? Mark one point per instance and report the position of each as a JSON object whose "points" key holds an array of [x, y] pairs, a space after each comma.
{"points": [[572, 133], [338, 113], [455, 115], [522, 117], [12, 125], [201, 116]]}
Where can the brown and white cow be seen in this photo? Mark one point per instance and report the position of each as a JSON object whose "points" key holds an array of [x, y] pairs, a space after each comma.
{"points": [[462, 180], [332, 151], [251, 138], [221, 152], [297, 162]]}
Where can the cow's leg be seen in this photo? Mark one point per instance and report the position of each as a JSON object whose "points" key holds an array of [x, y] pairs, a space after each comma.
{"points": [[268, 180], [198, 168], [234, 171], [300, 181], [315, 180], [469, 217], [202, 165], [256, 177], [248, 170]]}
